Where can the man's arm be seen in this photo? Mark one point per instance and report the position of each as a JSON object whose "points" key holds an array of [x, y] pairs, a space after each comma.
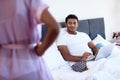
{"points": [[93, 47], [68, 57]]}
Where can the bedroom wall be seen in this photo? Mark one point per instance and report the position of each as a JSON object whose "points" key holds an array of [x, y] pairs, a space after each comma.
{"points": [[85, 9]]}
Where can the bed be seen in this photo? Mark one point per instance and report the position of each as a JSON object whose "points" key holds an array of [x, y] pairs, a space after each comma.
{"points": [[105, 68]]}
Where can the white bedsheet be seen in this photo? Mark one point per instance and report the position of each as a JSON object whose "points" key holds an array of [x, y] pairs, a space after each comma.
{"points": [[102, 69]]}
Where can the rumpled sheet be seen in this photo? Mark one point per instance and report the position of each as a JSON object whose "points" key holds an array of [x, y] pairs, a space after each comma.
{"points": [[102, 69]]}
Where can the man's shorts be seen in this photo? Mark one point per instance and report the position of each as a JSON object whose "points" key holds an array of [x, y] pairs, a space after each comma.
{"points": [[79, 66]]}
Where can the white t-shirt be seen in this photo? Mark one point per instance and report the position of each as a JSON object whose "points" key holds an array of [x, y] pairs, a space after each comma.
{"points": [[77, 44]]}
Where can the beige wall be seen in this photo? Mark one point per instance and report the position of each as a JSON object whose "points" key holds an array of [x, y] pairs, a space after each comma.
{"points": [[84, 9]]}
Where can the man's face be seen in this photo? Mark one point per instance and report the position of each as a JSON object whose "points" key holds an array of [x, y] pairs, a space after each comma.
{"points": [[72, 25]]}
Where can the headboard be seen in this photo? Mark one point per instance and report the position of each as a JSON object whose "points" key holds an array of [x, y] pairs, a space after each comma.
{"points": [[90, 26]]}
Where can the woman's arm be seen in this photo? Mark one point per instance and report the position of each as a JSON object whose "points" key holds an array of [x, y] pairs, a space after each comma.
{"points": [[52, 32]]}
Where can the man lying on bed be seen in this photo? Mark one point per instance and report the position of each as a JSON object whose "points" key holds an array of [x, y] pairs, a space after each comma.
{"points": [[75, 46]]}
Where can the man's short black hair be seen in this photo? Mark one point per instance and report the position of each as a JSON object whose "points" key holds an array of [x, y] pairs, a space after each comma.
{"points": [[73, 16]]}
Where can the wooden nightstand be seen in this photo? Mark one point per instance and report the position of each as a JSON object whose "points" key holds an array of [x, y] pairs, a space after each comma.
{"points": [[118, 46], [115, 43]]}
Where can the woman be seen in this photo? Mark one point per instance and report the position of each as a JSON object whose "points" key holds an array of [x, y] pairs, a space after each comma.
{"points": [[20, 50]]}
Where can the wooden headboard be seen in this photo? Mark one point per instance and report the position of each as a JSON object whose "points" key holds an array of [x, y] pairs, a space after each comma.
{"points": [[90, 26]]}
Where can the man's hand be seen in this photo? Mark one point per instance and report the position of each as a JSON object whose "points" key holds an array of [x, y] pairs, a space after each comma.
{"points": [[85, 55]]}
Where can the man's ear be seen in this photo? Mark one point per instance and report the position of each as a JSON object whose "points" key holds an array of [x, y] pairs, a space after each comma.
{"points": [[65, 24]]}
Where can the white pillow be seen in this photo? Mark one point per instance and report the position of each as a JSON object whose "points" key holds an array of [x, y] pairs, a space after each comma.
{"points": [[99, 41], [53, 58]]}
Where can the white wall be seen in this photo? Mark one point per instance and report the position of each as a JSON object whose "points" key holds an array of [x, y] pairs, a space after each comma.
{"points": [[85, 9]]}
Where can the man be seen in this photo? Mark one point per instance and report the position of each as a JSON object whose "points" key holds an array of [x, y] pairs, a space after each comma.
{"points": [[75, 46]]}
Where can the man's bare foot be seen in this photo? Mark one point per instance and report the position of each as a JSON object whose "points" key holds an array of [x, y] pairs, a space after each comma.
{"points": [[86, 68]]}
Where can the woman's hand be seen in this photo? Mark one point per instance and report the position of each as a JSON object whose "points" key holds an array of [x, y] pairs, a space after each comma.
{"points": [[39, 50]]}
